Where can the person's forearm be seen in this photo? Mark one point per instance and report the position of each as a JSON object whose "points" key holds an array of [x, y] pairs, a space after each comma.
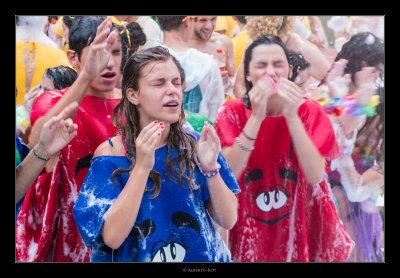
{"points": [[350, 122], [358, 187], [28, 171], [319, 65], [239, 87], [121, 216], [223, 205], [236, 156], [75, 93], [310, 160]]}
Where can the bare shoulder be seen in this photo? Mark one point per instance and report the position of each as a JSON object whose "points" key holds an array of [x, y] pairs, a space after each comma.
{"points": [[295, 41], [106, 148], [225, 40]]}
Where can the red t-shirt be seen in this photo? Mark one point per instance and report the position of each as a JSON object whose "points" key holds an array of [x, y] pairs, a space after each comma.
{"points": [[45, 222], [280, 216]]}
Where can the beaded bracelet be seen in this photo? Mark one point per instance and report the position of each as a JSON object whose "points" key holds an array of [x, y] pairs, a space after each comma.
{"points": [[242, 146], [210, 173], [41, 158]]}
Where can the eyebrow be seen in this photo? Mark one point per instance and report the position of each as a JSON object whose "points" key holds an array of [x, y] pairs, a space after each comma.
{"points": [[144, 229], [253, 175], [163, 79], [183, 219], [285, 173], [273, 62]]}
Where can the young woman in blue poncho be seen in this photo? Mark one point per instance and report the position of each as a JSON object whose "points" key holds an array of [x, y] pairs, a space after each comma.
{"points": [[153, 191]]}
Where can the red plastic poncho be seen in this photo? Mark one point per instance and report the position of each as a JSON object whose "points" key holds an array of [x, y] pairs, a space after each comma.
{"points": [[281, 217], [46, 230]]}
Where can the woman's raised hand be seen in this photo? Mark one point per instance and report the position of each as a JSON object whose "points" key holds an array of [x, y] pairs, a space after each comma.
{"points": [[338, 82], [292, 96], [259, 95], [365, 84], [100, 49], [146, 144], [58, 131], [208, 147]]}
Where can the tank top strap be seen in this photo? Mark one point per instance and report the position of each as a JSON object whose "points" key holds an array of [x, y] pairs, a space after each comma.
{"points": [[122, 144]]}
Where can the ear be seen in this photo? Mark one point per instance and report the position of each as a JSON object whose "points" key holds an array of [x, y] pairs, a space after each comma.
{"points": [[73, 59], [248, 78], [290, 71], [133, 96]]}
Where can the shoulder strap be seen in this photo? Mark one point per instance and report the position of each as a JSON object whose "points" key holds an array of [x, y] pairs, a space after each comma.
{"points": [[122, 144]]}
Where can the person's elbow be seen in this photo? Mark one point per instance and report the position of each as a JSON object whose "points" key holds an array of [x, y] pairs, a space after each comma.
{"points": [[315, 179], [112, 237], [317, 175], [112, 240], [230, 221]]}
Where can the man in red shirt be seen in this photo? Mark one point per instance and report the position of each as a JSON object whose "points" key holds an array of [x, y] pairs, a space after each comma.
{"points": [[276, 148], [45, 229]]}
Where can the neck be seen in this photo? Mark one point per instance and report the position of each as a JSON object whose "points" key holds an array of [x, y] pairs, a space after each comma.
{"points": [[132, 18], [241, 26], [114, 94], [175, 40]]}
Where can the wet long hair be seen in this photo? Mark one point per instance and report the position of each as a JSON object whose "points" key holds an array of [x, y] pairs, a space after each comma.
{"points": [[363, 49], [126, 116], [299, 63], [367, 50], [248, 55]]}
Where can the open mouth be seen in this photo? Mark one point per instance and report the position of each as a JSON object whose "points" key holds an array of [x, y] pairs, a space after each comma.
{"points": [[171, 105], [109, 76]]}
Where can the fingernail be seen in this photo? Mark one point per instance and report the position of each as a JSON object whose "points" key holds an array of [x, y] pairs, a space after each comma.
{"points": [[162, 127], [155, 122], [161, 123], [159, 134]]}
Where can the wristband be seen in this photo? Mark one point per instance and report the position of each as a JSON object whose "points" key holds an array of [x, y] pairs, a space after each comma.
{"points": [[41, 158], [210, 173]]}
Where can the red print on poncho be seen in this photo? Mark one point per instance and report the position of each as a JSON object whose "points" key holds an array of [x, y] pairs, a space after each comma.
{"points": [[280, 216], [46, 230]]}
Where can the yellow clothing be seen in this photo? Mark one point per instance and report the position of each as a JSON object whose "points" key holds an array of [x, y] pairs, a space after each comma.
{"points": [[239, 45], [228, 24], [58, 30], [38, 58], [116, 21], [58, 27], [305, 21]]}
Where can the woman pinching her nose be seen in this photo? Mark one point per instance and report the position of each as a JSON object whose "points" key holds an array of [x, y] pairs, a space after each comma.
{"points": [[275, 141]]}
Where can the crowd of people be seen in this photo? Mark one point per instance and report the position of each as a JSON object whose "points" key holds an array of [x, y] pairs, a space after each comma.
{"points": [[199, 139]]}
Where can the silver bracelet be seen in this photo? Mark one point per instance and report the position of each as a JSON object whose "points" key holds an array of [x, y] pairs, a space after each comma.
{"points": [[242, 146], [247, 136]]}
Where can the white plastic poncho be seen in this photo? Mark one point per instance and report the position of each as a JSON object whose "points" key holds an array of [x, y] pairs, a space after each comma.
{"points": [[202, 69]]}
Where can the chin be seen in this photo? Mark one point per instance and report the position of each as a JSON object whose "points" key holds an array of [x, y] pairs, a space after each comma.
{"points": [[170, 120]]}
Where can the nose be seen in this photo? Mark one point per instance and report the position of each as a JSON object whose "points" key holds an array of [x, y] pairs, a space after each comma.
{"points": [[111, 62], [270, 70], [208, 25], [171, 88]]}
